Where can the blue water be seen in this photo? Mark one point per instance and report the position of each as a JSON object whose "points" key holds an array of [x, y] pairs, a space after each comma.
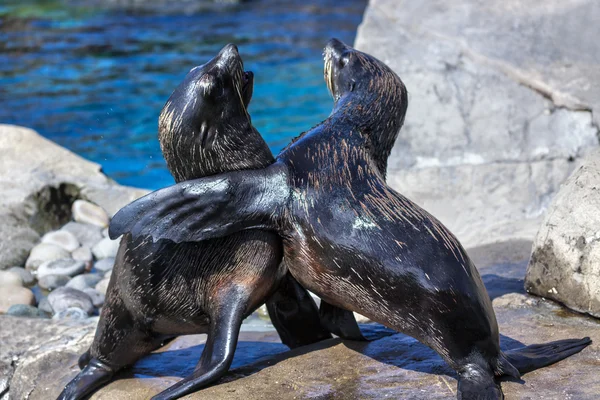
{"points": [[93, 75]]}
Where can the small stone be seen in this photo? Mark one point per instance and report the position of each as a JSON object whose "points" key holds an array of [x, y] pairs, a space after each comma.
{"points": [[44, 252], [64, 239], [82, 253], [105, 265], [102, 286], [53, 281], [45, 306], [75, 313], [24, 310], [106, 248], [87, 234], [9, 278], [65, 266], [84, 281], [25, 275], [89, 213], [105, 232], [10, 295], [96, 296], [66, 297], [515, 300]]}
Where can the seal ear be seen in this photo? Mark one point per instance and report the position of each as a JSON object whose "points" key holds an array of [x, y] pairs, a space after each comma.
{"points": [[207, 135]]}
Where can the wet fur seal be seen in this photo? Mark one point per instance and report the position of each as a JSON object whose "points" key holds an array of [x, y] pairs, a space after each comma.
{"points": [[350, 238], [162, 289]]}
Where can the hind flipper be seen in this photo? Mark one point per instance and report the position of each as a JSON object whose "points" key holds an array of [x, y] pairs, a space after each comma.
{"points": [[530, 358], [206, 208], [340, 322], [477, 383], [295, 315], [93, 376]]}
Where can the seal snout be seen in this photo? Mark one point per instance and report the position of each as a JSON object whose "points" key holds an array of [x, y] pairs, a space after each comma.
{"points": [[335, 48]]}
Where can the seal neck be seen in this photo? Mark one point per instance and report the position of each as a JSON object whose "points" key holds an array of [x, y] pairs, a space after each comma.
{"points": [[377, 116]]}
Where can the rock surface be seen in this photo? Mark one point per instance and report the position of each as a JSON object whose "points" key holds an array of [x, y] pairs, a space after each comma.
{"points": [[394, 366], [10, 278], [565, 264], [39, 182], [89, 213], [66, 297], [501, 95], [44, 253], [11, 295], [64, 266], [62, 238]]}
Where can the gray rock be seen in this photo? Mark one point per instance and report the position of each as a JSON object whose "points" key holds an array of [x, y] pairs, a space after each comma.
{"points": [[61, 238], [96, 296], [84, 281], [565, 263], [75, 313], [53, 281], [89, 213], [88, 235], [10, 278], [11, 295], [494, 123], [44, 305], [106, 248], [23, 310], [65, 297], [25, 275], [83, 253], [102, 286], [65, 266], [105, 265], [44, 252], [105, 232]]}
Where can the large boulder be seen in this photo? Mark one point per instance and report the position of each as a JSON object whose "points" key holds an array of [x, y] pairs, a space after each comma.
{"points": [[39, 182], [501, 95], [565, 263]]}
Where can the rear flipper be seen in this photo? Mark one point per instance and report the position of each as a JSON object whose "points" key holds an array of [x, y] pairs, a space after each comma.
{"points": [[340, 322], [206, 208], [529, 358], [295, 315], [93, 376]]}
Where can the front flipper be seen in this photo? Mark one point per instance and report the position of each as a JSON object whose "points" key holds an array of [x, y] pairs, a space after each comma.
{"points": [[220, 345], [295, 315], [206, 208], [340, 322]]}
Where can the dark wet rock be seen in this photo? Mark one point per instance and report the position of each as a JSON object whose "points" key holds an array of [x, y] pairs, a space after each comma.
{"points": [[495, 122], [64, 266], [565, 263], [53, 281], [105, 265], [23, 310], [84, 281], [25, 275], [87, 234], [65, 297]]}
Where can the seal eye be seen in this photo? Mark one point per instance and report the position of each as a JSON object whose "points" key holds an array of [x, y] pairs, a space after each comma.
{"points": [[343, 61]]}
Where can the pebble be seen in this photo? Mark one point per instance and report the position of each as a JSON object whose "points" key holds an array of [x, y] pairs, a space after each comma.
{"points": [[96, 296], [53, 281], [10, 295], [65, 266], [45, 306], [71, 313], [82, 253], [64, 239], [88, 235], [102, 286], [44, 252], [9, 278], [66, 297], [25, 275], [89, 213], [106, 248], [105, 232], [105, 265], [24, 310], [84, 281]]}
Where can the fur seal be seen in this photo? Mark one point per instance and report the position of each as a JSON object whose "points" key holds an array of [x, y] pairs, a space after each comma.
{"points": [[162, 289], [349, 237]]}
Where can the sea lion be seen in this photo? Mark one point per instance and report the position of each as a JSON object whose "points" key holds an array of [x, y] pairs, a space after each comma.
{"points": [[161, 289], [349, 237]]}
